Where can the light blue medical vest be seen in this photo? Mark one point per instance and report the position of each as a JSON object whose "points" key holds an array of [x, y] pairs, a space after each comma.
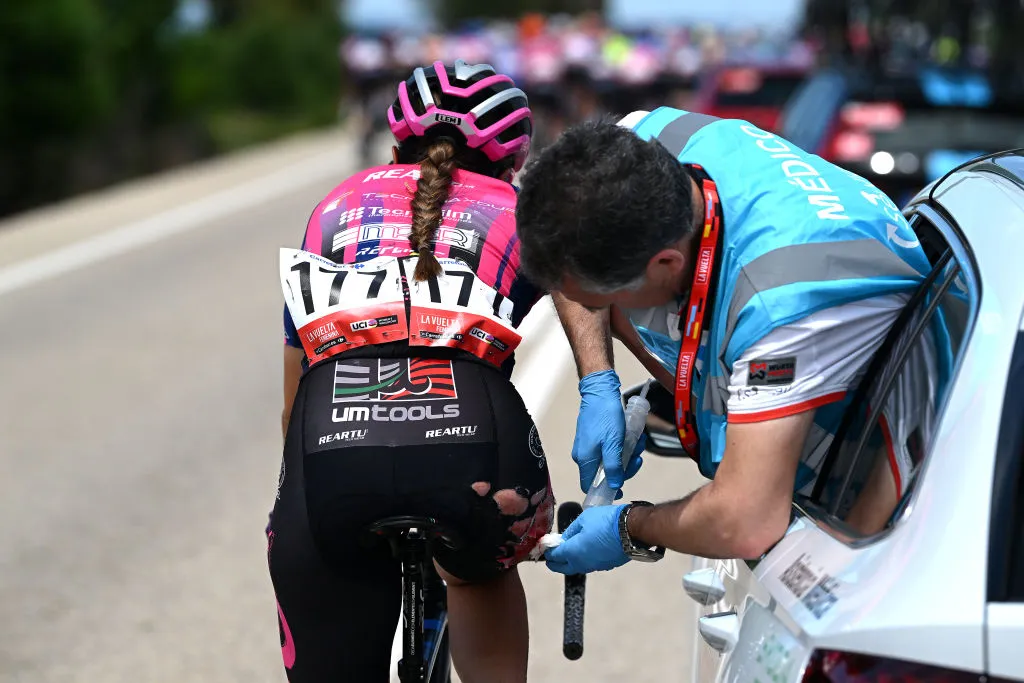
{"points": [[799, 235]]}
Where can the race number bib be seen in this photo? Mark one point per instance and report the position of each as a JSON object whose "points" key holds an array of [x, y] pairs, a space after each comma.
{"points": [[337, 307], [457, 310]]}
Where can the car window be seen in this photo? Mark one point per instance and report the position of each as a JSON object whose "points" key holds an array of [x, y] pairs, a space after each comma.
{"points": [[885, 434]]}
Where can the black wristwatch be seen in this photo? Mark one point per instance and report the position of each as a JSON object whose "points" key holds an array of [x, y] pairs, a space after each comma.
{"points": [[632, 550]]}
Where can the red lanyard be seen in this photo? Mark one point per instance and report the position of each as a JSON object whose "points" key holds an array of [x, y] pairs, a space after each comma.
{"points": [[693, 315]]}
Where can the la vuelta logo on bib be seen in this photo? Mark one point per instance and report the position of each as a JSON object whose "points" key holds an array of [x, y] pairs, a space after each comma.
{"points": [[408, 379]]}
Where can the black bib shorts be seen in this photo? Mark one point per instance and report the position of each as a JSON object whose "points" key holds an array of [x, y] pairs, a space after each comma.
{"points": [[376, 437]]}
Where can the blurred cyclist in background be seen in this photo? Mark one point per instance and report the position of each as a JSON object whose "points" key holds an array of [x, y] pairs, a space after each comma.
{"points": [[543, 70], [574, 68], [406, 407], [368, 63]]}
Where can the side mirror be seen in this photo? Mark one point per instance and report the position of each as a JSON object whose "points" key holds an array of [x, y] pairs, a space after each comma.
{"points": [[662, 437]]}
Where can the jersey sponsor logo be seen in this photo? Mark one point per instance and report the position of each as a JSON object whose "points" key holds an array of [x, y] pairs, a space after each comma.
{"points": [[482, 204], [385, 195], [379, 413], [384, 250], [468, 430], [771, 372], [380, 212], [332, 205], [374, 322], [413, 173], [447, 118], [350, 435], [467, 240], [346, 217], [407, 379]]}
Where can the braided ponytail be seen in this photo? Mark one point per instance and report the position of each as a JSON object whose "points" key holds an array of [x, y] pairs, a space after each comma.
{"points": [[431, 193]]}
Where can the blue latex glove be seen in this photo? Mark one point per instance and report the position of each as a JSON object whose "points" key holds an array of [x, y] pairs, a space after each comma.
{"points": [[590, 544], [600, 428]]}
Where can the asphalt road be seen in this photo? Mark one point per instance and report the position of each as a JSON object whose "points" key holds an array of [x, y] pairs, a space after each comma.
{"points": [[140, 442]]}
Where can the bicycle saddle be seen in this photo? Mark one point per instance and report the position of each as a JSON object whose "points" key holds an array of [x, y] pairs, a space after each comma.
{"points": [[396, 529]]}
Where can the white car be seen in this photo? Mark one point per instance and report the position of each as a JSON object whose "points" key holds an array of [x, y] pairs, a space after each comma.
{"points": [[933, 588]]}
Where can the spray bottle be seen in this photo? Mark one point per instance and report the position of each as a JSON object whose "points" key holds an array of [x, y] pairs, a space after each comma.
{"points": [[637, 407]]}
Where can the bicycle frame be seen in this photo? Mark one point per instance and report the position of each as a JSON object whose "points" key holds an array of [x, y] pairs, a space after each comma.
{"points": [[435, 627]]}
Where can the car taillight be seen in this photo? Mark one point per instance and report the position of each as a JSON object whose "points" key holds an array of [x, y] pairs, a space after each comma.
{"points": [[872, 115], [830, 666], [851, 145]]}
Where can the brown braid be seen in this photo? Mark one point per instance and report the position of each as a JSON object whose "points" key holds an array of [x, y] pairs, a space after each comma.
{"points": [[431, 194]]}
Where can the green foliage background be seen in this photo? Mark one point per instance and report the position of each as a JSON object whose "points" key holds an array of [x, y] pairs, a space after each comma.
{"points": [[95, 91]]}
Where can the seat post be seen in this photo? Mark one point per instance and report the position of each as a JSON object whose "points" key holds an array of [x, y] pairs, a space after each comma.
{"points": [[411, 549], [410, 538]]}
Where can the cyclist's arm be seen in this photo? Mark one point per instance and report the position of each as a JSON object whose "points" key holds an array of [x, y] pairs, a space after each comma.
{"points": [[588, 332], [292, 373], [745, 509], [294, 355]]}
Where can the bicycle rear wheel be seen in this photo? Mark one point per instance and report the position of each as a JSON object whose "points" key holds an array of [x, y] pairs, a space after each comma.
{"points": [[441, 671]]}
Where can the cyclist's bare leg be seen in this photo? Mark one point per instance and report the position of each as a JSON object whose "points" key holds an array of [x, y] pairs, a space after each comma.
{"points": [[488, 628]]}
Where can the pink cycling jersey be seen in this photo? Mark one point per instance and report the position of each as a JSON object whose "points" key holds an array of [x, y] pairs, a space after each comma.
{"points": [[370, 215]]}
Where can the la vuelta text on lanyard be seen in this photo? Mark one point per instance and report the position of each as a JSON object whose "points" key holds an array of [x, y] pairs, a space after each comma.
{"points": [[693, 315]]}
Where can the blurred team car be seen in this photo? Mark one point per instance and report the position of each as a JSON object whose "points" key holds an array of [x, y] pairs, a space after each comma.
{"points": [[933, 588], [753, 93], [902, 132]]}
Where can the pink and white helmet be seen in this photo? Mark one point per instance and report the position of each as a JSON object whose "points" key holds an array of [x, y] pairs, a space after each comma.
{"points": [[485, 106]]}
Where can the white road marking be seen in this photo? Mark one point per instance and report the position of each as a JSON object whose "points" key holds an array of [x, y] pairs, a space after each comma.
{"points": [[172, 222], [549, 355]]}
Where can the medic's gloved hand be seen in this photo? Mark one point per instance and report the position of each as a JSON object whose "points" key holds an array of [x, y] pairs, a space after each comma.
{"points": [[599, 431], [590, 544]]}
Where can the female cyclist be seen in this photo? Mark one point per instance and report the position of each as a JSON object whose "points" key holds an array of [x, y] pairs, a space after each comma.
{"points": [[404, 312]]}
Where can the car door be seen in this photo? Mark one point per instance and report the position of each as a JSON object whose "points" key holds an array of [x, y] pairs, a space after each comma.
{"points": [[783, 598], [1005, 609]]}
